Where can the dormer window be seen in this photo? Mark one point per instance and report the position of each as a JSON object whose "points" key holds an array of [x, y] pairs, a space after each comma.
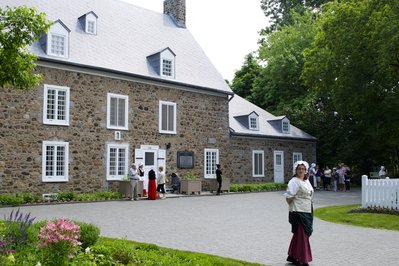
{"points": [[167, 67], [57, 41], [163, 63], [253, 121], [91, 26], [89, 22], [285, 126]]}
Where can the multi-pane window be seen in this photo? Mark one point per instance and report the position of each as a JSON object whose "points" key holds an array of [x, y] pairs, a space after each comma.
{"points": [[296, 156], [167, 117], [55, 161], [258, 163], [211, 158], [56, 105], [117, 161], [91, 26], [253, 123], [286, 126], [117, 111], [57, 45], [167, 67]]}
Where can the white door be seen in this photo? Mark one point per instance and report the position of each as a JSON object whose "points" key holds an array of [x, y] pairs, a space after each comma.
{"points": [[278, 167], [152, 157]]}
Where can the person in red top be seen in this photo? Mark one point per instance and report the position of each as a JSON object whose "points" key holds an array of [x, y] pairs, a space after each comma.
{"points": [[152, 187]]}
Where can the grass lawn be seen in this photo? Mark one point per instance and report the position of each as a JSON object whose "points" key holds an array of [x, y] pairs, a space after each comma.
{"points": [[340, 214], [134, 253]]}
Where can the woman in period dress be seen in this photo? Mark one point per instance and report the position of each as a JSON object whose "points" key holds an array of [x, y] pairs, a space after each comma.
{"points": [[299, 197], [152, 186]]}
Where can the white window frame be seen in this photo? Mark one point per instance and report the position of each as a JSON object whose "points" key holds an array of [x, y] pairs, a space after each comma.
{"points": [[286, 122], [296, 156], [124, 161], [60, 31], [167, 72], [56, 121], [253, 117], [254, 170], [210, 164], [54, 177], [168, 56], [126, 111], [168, 131], [94, 26]]}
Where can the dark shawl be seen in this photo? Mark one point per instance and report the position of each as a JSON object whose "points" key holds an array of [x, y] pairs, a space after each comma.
{"points": [[306, 219]]}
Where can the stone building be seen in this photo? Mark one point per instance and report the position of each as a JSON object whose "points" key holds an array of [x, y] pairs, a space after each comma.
{"points": [[123, 84]]}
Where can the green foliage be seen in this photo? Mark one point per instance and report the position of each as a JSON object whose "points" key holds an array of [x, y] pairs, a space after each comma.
{"points": [[244, 78], [19, 28], [190, 176], [257, 187], [67, 196], [354, 61], [9, 200], [22, 198], [17, 227], [115, 252], [29, 197], [345, 215], [134, 253], [279, 12], [89, 234]]}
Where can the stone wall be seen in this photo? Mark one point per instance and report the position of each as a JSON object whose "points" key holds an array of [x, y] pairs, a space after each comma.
{"points": [[199, 117], [240, 157]]}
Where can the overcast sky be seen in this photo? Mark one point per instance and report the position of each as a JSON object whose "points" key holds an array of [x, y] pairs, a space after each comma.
{"points": [[227, 30]]}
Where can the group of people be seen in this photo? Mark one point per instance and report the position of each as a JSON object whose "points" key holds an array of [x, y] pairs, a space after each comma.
{"points": [[335, 179], [154, 190]]}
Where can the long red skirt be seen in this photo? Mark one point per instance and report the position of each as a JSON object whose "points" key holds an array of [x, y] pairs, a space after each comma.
{"points": [[152, 190], [300, 246]]}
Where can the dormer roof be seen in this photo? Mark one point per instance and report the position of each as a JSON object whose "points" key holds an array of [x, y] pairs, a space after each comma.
{"points": [[239, 109], [62, 24]]}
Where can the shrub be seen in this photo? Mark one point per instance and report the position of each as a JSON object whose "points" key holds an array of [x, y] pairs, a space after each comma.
{"points": [[67, 196], [89, 234], [10, 200], [28, 197], [257, 187]]}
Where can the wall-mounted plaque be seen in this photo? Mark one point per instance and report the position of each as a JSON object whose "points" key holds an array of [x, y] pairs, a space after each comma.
{"points": [[185, 159]]}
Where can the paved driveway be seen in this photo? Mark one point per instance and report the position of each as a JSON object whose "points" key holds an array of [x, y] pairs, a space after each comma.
{"points": [[251, 227]]}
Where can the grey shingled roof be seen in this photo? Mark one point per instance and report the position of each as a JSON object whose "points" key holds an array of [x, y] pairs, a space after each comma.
{"points": [[126, 35], [239, 107]]}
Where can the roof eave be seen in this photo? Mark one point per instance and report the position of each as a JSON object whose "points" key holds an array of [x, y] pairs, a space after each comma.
{"points": [[312, 139], [154, 79]]}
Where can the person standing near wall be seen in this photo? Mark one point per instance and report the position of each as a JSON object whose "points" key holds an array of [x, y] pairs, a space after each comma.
{"points": [[299, 197], [134, 180], [140, 172], [219, 179], [152, 187], [382, 173], [312, 175], [161, 183]]}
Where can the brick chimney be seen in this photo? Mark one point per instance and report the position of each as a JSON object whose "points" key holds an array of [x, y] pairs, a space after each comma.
{"points": [[177, 10]]}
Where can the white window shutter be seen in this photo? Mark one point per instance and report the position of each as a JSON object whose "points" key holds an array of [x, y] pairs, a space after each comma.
{"points": [[138, 156], [162, 159]]}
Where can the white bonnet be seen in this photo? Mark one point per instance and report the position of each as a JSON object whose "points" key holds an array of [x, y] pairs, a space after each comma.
{"points": [[301, 163]]}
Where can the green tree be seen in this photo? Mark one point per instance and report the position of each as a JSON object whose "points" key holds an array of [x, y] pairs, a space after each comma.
{"points": [[354, 60], [244, 78], [279, 87], [280, 11], [19, 28]]}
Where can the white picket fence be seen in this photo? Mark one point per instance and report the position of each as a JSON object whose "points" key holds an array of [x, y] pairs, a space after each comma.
{"points": [[382, 193]]}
